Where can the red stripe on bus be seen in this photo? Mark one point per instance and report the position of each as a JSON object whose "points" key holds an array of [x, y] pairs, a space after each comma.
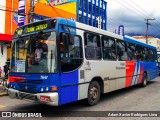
{"points": [[130, 67]]}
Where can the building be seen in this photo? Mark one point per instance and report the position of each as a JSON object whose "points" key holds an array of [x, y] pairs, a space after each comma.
{"points": [[5, 35], [92, 12], [151, 40]]}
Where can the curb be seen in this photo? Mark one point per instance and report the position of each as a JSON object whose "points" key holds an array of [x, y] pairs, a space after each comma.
{"points": [[3, 94]]}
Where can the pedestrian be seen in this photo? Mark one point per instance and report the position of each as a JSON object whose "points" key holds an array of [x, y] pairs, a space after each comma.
{"points": [[0, 71], [5, 68]]}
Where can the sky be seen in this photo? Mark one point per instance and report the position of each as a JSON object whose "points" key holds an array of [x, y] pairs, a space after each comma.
{"points": [[132, 14]]}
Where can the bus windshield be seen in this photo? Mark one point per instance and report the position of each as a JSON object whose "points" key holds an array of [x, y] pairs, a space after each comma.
{"points": [[34, 54]]}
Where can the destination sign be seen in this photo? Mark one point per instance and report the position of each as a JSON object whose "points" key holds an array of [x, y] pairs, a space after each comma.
{"points": [[37, 26]]}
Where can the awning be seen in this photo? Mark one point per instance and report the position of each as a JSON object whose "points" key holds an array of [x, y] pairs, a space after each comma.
{"points": [[6, 37]]}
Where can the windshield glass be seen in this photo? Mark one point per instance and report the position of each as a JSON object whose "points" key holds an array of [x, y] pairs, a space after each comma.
{"points": [[34, 54]]}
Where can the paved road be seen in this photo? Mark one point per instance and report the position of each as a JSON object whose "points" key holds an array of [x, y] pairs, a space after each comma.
{"points": [[130, 99]]}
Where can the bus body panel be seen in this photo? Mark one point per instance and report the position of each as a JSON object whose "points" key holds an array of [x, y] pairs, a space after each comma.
{"points": [[151, 69], [83, 84], [34, 82], [69, 87]]}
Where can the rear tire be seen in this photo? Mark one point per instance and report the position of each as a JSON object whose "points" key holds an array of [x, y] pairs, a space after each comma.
{"points": [[144, 82], [93, 93]]}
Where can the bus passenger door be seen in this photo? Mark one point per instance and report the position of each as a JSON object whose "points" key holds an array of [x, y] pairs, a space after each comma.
{"points": [[70, 61]]}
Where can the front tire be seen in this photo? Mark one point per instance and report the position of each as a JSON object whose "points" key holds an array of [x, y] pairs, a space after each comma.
{"points": [[93, 93]]}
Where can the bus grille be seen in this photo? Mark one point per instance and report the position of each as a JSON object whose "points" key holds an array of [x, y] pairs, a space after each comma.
{"points": [[27, 88], [26, 96], [34, 81]]}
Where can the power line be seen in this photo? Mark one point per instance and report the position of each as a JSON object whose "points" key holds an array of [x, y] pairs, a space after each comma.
{"points": [[128, 8], [120, 24], [140, 8], [132, 10], [140, 11], [50, 13], [14, 12], [25, 13]]}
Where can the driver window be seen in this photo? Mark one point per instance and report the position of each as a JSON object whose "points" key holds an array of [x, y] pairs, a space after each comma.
{"points": [[70, 52]]}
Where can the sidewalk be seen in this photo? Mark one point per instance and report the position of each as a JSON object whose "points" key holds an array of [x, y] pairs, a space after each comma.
{"points": [[3, 92]]}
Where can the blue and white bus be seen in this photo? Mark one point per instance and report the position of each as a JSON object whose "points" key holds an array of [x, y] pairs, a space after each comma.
{"points": [[58, 61]]}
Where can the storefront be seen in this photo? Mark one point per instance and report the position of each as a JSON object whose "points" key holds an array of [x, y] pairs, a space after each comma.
{"points": [[5, 49]]}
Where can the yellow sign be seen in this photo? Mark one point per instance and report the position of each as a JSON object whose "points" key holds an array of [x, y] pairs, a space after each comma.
{"points": [[19, 32], [37, 28]]}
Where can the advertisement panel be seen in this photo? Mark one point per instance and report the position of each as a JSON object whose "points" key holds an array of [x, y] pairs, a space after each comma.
{"points": [[21, 12], [59, 2], [56, 2]]}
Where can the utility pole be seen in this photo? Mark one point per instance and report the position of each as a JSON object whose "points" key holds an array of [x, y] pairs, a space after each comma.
{"points": [[31, 12], [147, 23]]}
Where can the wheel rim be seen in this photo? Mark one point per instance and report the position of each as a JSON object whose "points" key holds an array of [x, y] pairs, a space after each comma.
{"points": [[94, 93], [145, 82]]}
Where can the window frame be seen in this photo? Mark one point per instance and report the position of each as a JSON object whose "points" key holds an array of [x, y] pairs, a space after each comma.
{"points": [[98, 46], [124, 52], [102, 41], [67, 51]]}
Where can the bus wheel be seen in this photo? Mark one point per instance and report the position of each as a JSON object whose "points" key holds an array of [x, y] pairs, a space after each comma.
{"points": [[93, 93], [144, 82]]}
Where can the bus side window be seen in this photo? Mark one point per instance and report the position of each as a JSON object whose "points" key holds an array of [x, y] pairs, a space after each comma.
{"points": [[131, 51], [121, 50], [108, 48], [70, 52], [92, 46], [146, 54], [151, 55], [155, 54], [139, 55]]}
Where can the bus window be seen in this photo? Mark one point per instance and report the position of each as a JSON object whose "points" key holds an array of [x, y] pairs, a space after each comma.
{"points": [[145, 54], [154, 55], [121, 50], [139, 55], [92, 46], [131, 51], [109, 48], [151, 55], [70, 52]]}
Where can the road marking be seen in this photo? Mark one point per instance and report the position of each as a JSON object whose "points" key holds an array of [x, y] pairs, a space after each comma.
{"points": [[2, 106]]}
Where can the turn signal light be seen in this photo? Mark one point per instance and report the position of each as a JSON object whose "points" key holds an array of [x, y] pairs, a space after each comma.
{"points": [[54, 88]]}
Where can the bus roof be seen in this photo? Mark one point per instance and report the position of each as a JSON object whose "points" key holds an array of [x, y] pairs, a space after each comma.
{"points": [[133, 40]]}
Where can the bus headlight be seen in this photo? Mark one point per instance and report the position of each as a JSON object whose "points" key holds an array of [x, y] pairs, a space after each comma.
{"points": [[42, 89], [47, 88]]}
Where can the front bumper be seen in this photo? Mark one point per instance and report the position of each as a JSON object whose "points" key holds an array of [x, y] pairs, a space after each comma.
{"points": [[34, 97]]}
